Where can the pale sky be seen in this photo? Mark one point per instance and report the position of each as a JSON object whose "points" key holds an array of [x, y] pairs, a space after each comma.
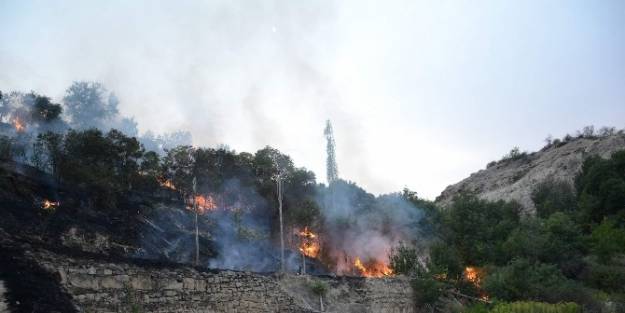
{"points": [[420, 93]]}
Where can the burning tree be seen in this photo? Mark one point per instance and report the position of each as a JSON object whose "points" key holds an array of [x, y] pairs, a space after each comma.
{"points": [[309, 246]]}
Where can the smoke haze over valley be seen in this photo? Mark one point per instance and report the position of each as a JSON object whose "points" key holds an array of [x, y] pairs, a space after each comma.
{"points": [[421, 94]]}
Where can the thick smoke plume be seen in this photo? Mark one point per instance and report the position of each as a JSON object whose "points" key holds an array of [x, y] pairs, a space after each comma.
{"points": [[360, 226]]}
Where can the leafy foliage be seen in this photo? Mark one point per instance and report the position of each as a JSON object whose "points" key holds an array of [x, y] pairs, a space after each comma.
{"points": [[536, 307], [318, 287], [551, 196], [478, 228]]}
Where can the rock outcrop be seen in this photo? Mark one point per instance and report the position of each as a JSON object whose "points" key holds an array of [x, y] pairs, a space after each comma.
{"points": [[515, 179]]}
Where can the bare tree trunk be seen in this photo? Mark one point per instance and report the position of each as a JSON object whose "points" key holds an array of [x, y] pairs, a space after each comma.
{"points": [[197, 239], [303, 264], [282, 265], [321, 303], [197, 230]]}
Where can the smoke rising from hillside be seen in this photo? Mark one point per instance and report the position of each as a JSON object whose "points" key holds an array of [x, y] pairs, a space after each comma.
{"points": [[410, 109]]}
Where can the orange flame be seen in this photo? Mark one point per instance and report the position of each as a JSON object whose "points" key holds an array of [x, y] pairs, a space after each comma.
{"points": [[19, 125], [167, 183], [373, 268], [204, 204], [49, 205], [309, 245], [474, 275]]}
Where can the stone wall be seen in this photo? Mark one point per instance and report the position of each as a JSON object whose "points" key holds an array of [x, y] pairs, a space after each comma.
{"points": [[3, 304], [98, 286]]}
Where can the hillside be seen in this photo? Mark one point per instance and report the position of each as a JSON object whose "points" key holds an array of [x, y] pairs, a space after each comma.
{"points": [[73, 257], [514, 179]]}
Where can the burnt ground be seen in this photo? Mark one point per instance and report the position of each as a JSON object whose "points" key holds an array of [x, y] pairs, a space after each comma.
{"points": [[150, 230], [77, 222], [29, 288], [77, 229]]}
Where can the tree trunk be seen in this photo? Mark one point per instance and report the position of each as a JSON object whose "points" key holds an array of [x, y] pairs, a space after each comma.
{"points": [[197, 240], [321, 303], [282, 265]]}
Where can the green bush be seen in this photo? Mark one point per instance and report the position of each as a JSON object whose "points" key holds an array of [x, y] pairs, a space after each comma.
{"points": [[427, 290], [477, 308], [477, 228], [318, 287], [607, 240], [522, 279], [536, 307], [609, 278], [552, 196], [404, 260]]}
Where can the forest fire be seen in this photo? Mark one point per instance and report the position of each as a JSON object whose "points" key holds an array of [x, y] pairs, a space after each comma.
{"points": [[49, 205], [372, 268], [167, 183], [474, 276], [205, 204], [309, 243], [19, 125]]}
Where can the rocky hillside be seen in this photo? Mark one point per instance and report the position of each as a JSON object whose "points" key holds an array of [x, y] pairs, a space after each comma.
{"points": [[60, 253], [515, 178]]}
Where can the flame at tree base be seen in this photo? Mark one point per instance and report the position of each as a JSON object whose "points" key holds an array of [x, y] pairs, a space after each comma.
{"points": [[474, 275], [309, 243], [373, 268]]}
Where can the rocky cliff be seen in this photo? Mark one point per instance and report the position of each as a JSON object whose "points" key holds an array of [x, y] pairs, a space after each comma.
{"points": [[515, 178]]}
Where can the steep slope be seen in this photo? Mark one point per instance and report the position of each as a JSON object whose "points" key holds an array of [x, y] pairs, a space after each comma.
{"points": [[515, 179], [76, 257]]}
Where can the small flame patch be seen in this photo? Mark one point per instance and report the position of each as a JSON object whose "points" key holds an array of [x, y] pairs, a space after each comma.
{"points": [[49, 205], [205, 203], [19, 125], [372, 268]]}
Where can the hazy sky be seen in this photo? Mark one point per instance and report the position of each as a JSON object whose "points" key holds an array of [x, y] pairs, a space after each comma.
{"points": [[421, 94]]}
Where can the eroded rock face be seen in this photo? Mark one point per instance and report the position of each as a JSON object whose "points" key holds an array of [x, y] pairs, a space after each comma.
{"points": [[515, 179]]}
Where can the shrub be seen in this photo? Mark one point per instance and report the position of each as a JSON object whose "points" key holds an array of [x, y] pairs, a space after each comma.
{"points": [[522, 279], [552, 196], [404, 260], [318, 287], [607, 240], [514, 154], [536, 307], [609, 278], [427, 290]]}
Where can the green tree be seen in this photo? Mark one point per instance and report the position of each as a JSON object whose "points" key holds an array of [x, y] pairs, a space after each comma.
{"points": [[522, 279], [178, 165], [478, 228], [552, 196], [48, 149], [89, 104], [404, 260], [556, 240], [607, 240], [601, 188], [44, 110]]}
